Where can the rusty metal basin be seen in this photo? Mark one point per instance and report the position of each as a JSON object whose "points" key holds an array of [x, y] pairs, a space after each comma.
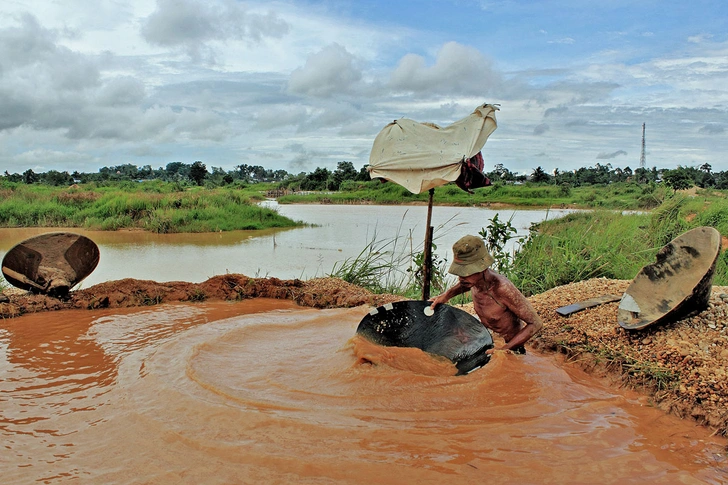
{"points": [[677, 284], [51, 263]]}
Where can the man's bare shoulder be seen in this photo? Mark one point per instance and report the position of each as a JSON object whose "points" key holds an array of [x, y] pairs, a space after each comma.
{"points": [[504, 287], [498, 281]]}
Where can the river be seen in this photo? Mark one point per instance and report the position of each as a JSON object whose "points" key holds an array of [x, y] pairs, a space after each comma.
{"points": [[336, 232]]}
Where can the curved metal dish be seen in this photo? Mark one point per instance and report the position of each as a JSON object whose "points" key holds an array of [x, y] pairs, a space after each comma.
{"points": [[51, 263], [677, 284], [449, 332]]}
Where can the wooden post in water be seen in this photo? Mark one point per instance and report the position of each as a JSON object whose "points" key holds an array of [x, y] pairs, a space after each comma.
{"points": [[427, 263]]}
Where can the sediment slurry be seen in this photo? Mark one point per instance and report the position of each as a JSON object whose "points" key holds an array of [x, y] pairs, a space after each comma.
{"points": [[682, 366]]}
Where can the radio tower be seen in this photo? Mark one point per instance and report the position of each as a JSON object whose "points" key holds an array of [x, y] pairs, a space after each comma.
{"points": [[642, 153]]}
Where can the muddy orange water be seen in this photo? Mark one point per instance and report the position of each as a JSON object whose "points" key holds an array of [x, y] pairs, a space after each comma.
{"points": [[262, 391]]}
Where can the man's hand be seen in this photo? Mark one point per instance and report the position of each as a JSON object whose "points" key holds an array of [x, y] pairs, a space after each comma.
{"points": [[437, 300]]}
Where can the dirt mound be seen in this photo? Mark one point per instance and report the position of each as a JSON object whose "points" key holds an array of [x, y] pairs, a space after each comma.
{"points": [[318, 293]]}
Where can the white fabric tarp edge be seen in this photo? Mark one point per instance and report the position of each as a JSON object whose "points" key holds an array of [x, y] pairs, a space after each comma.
{"points": [[421, 156]]}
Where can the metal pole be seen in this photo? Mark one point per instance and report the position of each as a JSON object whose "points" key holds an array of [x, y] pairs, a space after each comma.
{"points": [[427, 263]]}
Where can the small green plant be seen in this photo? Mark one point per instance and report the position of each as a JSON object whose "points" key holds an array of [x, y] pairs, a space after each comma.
{"points": [[496, 235], [146, 299], [438, 272], [197, 296]]}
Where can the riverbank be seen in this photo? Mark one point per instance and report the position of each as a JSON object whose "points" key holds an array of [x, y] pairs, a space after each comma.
{"points": [[155, 207], [616, 196], [680, 366]]}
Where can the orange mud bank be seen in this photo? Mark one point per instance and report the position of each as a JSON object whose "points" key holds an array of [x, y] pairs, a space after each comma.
{"points": [[316, 293], [682, 366]]}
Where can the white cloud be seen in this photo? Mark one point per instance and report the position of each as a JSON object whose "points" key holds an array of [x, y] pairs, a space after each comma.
{"points": [[330, 71], [457, 69], [280, 116], [712, 129], [564, 40], [192, 23], [700, 38]]}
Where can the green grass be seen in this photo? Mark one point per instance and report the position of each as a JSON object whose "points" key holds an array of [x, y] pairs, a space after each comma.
{"points": [[582, 245], [609, 244], [617, 196], [155, 206]]}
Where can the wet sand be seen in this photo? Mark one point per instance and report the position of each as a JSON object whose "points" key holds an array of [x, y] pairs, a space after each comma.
{"points": [[267, 391]]}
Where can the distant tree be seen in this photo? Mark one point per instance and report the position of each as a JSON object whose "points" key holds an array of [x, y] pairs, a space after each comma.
{"points": [[146, 172], [644, 175], [243, 171], [344, 171], [198, 172], [706, 179], [13, 177], [217, 176], [568, 178], [539, 176], [280, 175], [316, 180], [363, 175], [260, 174], [177, 170], [618, 175], [56, 178], [29, 177], [127, 171], [678, 179], [501, 173], [721, 180]]}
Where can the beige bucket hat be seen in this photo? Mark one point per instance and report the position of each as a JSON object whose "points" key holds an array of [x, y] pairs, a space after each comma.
{"points": [[470, 256]]}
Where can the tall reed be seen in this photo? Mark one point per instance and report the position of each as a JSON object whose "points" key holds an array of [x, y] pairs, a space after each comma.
{"points": [[392, 265]]}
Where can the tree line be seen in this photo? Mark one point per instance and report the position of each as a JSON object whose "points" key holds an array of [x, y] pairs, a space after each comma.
{"points": [[679, 179], [323, 179]]}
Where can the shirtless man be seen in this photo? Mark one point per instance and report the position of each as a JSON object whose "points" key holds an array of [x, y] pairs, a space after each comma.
{"points": [[501, 307]]}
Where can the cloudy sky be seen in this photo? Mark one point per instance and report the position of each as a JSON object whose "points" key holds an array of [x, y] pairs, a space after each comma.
{"points": [[301, 84]]}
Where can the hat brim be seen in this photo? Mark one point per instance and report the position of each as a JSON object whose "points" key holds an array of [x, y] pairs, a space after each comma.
{"points": [[465, 270]]}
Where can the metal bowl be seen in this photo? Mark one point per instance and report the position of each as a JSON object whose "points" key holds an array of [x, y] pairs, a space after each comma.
{"points": [[51, 263]]}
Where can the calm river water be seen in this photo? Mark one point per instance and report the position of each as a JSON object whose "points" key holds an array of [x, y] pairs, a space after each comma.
{"points": [[340, 232]]}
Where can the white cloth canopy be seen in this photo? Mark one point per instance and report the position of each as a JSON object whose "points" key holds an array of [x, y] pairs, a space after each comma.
{"points": [[421, 156]]}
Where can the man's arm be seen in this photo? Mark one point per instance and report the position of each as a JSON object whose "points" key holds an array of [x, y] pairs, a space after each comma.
{"points": [[522, 308], [451, 293]]}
